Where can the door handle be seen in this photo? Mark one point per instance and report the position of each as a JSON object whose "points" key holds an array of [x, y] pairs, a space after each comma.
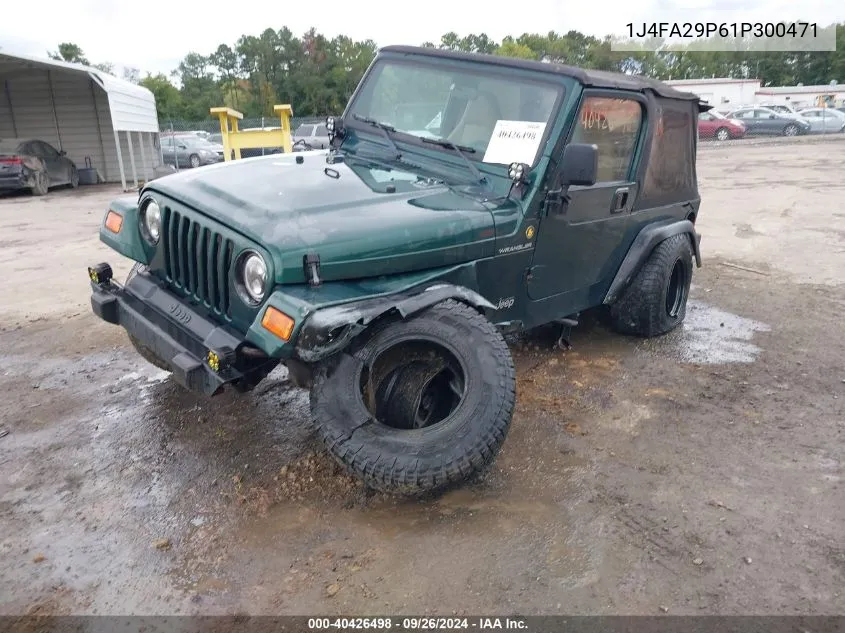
{"points": [[620, 200]]}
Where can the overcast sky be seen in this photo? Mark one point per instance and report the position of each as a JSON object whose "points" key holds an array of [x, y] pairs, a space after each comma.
{"points": [[154, 35]]}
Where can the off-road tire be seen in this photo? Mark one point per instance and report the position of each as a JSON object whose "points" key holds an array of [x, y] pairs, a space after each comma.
{"points": [[41, 185], [413, 462], [722, 134], [145, 352], [642, 309], [790, 130]]}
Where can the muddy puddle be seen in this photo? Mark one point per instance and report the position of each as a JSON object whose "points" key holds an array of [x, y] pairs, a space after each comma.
{"points": [[710, 336]]}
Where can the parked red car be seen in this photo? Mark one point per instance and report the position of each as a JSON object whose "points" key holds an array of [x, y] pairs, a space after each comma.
{"points": [[711, 124]]}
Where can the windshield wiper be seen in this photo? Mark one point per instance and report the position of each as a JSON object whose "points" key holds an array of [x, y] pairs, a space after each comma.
{"points": [[459, 150], [385, 130]]}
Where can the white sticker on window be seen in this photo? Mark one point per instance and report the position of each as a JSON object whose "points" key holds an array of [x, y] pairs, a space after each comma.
{"points": [[514, 142]]}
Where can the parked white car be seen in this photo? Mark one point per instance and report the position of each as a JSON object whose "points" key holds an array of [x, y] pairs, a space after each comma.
{"points": [[824, 120]]}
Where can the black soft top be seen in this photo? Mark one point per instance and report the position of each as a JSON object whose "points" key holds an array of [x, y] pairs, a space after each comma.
{"points": [[591, 78]]}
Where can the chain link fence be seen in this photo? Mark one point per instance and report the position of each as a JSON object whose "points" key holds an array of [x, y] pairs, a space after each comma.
{"points": [[175, 155], [212, 126], [710, 136]]}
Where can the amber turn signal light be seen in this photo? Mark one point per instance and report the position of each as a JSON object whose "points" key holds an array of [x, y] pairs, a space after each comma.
{"points": [[114, 221], [278, 323]]}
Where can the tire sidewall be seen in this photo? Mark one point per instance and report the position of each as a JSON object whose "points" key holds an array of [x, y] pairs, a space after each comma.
{"points": [[683, 254], [641, 310], [486, 408], [42, 183]]}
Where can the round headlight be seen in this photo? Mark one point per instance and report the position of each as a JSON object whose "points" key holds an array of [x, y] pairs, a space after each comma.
{"points": [[255, 276], [152, 221]]}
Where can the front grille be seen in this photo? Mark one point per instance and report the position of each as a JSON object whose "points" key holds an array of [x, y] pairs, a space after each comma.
{"points": [[197, 260]]}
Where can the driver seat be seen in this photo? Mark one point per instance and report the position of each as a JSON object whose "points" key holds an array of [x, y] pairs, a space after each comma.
{"points": [[477, 123]]}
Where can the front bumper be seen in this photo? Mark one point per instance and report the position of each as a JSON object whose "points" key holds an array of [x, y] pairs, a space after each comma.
{"points": [[203, 356]]}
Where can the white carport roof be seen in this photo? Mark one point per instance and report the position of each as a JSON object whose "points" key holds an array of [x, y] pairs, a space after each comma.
{"points": [[133, 107]]}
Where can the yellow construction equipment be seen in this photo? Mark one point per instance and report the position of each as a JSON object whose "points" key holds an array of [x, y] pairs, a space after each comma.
{"points": [[235, 139]]}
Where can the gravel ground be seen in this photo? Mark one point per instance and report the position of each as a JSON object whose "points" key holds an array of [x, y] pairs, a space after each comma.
{"points": [[698, 473]]}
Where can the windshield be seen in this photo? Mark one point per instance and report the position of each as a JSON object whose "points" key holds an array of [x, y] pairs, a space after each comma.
{"points": [[499, 118]]}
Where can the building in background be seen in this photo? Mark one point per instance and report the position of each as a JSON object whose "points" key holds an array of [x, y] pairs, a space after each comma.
{"points": [[727, 94], [89, 114], [722, 94], [831, 95]]}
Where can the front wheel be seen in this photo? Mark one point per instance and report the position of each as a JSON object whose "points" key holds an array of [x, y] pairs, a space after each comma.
{"points": [[790, 130], [656, 301], [419, 404], [74, 178], [723, 134], [195, 161]]}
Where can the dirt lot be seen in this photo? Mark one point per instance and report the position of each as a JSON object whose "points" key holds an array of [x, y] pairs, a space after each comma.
{"points": [[697, 473]]}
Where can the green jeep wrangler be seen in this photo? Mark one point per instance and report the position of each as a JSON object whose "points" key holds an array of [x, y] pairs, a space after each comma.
{"points": [[463, 197]]}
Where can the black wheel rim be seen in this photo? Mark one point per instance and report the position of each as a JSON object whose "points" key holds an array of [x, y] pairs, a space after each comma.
{"points": [[413, 385], [676, 290]]}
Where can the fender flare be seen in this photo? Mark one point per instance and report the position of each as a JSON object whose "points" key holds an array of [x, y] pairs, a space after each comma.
{"points": [[328, 330], [645, 242]]}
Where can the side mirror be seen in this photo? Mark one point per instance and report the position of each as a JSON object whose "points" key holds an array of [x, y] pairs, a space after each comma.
{"points": [[579, 165]]}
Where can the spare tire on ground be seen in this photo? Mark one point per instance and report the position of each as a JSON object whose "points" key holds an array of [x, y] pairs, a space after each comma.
{"points": [[418, 404]]}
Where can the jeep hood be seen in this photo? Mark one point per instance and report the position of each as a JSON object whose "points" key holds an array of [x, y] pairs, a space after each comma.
{"points": [[362, 219]]}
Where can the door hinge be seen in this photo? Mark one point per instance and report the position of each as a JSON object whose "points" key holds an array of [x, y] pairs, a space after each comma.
{"points": [[555, 200]]}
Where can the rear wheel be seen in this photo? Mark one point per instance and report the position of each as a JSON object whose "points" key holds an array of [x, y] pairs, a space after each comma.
{"points": [[656, 301], [41, 183], [419, 404]]}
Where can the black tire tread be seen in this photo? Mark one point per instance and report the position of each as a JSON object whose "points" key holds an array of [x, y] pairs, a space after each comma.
{"points": [[146, 353], [640, 311], [391, 473]]}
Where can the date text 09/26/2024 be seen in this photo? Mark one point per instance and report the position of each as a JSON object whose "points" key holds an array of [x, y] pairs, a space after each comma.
{"points": [[722, 29]]}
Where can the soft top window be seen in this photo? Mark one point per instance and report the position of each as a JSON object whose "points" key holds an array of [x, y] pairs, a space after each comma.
{"points": [[670, 175]]}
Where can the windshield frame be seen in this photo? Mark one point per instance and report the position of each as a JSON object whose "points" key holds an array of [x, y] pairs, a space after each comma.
{"points": [[480, 68]]}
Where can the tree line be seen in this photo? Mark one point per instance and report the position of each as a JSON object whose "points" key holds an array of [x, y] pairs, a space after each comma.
{"points": [[317, 75]]}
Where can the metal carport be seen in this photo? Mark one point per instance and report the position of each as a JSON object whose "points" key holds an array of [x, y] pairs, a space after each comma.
{"points": [[83, 111]]}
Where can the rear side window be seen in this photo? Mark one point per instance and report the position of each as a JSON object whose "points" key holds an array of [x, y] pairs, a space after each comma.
{"points": [[613, 125], [321, 131], [304, 130], [670, 176]]}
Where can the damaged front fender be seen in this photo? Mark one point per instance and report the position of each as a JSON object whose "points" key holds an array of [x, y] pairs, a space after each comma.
{"points": [[329, 330]]}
